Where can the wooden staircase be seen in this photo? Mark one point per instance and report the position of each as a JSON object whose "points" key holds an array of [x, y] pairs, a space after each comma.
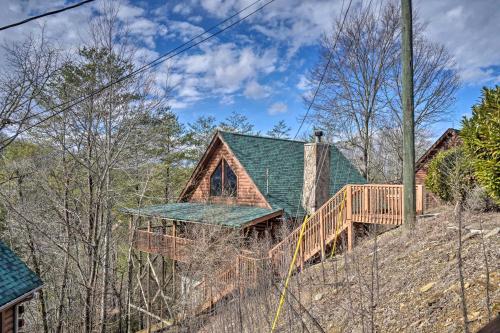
{"points": [[378, 204]]}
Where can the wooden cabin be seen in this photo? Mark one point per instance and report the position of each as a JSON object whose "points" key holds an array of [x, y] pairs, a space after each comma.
{"points": [[253, 185], [18, 284], [447, 140]]}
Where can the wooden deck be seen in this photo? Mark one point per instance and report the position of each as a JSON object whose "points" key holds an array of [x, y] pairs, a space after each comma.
{"points": [[379, 204], [154, 241]]}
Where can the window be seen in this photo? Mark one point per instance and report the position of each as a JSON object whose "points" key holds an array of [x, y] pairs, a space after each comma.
{"points": [[230, 181], [216, 181], [223, 181]]}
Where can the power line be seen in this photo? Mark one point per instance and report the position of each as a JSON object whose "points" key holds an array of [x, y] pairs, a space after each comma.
{"points": [[312, 101], [152, 63], [169, 55], [324, 71], [45, 14]]}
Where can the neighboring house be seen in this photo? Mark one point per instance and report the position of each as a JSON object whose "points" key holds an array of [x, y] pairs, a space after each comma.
{"points": [[449, 139], [17, 285]]}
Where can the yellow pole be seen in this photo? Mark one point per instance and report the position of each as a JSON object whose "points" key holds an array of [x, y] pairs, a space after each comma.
{"points": [[290, 270]]}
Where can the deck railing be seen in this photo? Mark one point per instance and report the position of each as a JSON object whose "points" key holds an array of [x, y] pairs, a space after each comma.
{"points": [[156, 242], [241, 274], [321, 229], [381, 204]]}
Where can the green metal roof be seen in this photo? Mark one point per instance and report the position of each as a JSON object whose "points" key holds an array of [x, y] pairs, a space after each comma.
{"points": [[218, 214], [16, 279], [284, 160]]}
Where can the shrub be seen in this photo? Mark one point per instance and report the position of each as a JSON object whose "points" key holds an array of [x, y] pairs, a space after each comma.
{"points": [[479, 201], [450, 175], [481, 138]]}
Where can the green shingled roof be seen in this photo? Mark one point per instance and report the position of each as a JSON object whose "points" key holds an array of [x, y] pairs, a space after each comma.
{"points": [[219, 214], [285, 161], [16, 279]]}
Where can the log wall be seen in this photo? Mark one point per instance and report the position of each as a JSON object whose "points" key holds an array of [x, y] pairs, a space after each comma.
{"points": [[247, 194], [7, 320]]}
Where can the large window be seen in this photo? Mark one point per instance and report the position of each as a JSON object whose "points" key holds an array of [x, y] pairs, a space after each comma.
{"points": [[223, 181]]}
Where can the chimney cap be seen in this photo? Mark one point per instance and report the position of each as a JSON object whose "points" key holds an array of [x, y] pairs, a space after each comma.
{"points": [[318, 134]]}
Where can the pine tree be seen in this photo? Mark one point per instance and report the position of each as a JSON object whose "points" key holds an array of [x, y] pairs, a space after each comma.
{"points": [[280, 130], [238, 123]]}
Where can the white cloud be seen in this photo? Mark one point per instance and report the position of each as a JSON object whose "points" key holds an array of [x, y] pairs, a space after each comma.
{"points": [[220, 70], [224, 70], [227, 100], [127, 11], [294, 23], [64, 29], [277, 108], [304, 83], [255, 90], [184, 30], [195, 19], [469, 30], [182, 8]]}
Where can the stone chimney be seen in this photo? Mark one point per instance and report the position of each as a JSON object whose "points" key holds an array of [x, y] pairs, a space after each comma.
{"points": [[316, 190]]}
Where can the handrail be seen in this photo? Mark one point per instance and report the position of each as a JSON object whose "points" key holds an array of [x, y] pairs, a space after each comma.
{"points": [[242, 273], [158, 243], [322, 223]]}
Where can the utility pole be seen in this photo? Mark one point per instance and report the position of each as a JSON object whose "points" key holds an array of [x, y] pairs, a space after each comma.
{"points": [[408, 118]]}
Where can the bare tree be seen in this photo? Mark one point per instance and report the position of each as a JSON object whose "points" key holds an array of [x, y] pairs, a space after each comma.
{"points": [[72, 185], [360, 98], [350, 100], [29, 64]]}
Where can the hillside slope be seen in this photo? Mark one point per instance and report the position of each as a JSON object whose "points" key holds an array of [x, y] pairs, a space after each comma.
{"points": [[418, 286], [417, 289]]}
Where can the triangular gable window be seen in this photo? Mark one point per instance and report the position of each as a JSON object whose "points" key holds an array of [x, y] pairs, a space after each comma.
{"points": [[223, 181]]}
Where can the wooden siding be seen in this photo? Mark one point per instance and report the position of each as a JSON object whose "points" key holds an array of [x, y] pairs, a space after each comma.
{"points": [[8, 320], [420, 176], [247, 193]]}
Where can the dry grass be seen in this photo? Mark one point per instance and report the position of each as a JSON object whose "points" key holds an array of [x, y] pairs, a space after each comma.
{"points": [[417, 289], [418, 280]]}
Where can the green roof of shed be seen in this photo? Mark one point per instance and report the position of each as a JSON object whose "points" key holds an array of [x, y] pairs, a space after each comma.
{"points": [[16, 279], [284, 160], [217, 214]]}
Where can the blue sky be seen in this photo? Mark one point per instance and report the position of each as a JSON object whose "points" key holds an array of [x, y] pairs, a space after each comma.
{"points": [[258, 68]]}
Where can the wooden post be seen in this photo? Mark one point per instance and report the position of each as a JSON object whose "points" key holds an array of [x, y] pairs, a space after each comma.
{"points": [[149, 235], [350, 239], [348, 203], [163, 270], [302, 255], [420, 199], [128, 319], [366, 200], [238, 281], [402, 205], [322, 234], [141, 270], [408, 115], [174, 233], [148, 287], [348, 208]]}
